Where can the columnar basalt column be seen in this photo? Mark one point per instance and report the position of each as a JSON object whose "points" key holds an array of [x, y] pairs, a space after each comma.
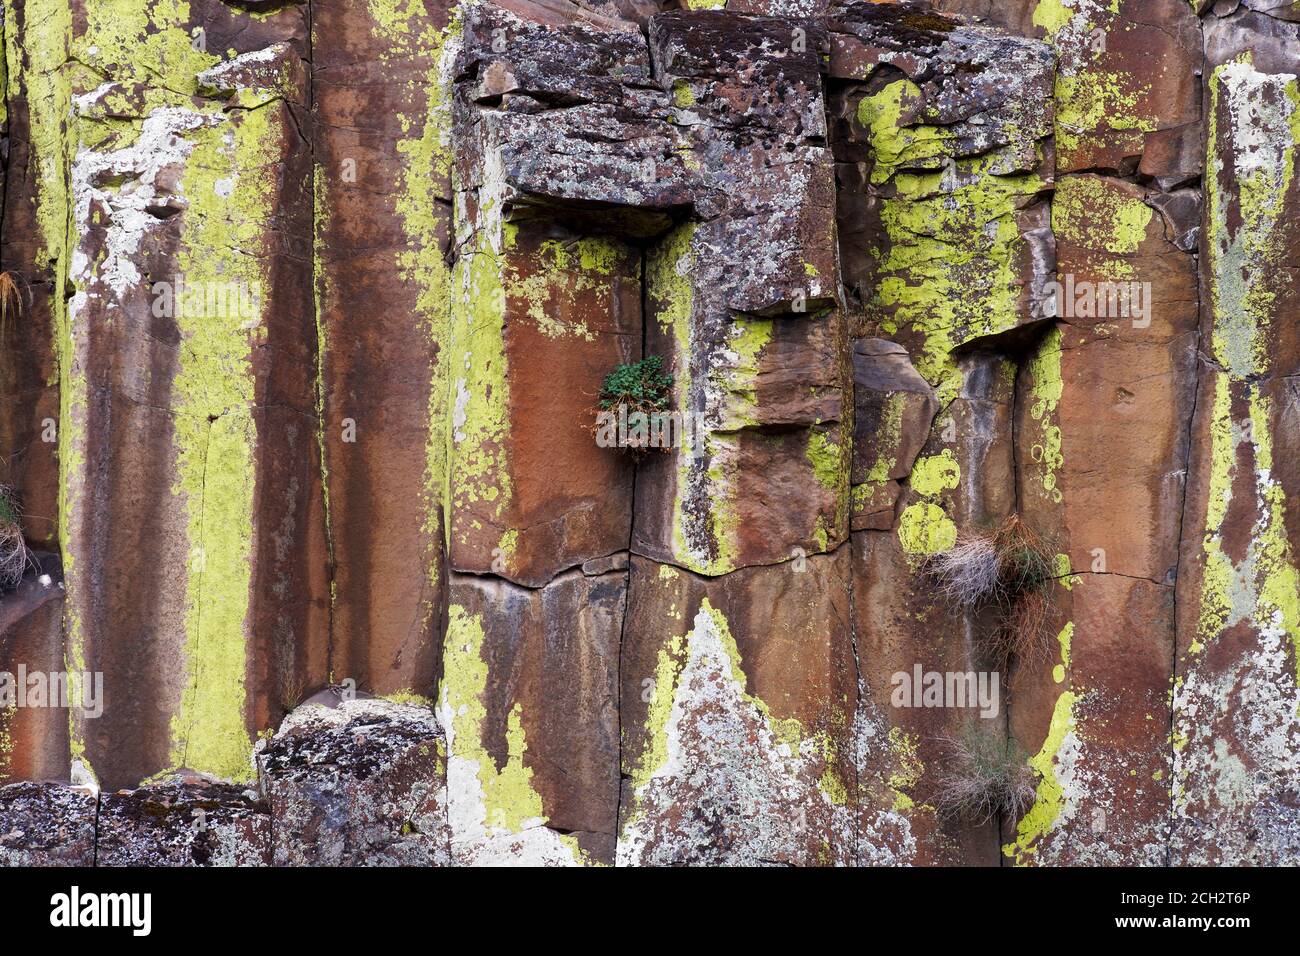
{"points": [[1103, 406], [744, 303], [382, 122], [1236, 733], [189, 454], [945, 163]]}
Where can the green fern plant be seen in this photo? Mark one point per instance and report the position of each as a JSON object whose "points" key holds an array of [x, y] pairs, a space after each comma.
{"points": [[635, 406], [642, 386]]}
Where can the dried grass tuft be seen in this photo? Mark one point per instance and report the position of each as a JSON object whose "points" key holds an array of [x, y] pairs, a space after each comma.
{"points": [[11, 301], [982, 777], [967, 573], [1010, 568], [15, 557]]}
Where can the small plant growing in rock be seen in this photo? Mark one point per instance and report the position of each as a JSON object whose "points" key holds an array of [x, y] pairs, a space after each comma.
{"points": [[14, 554], [11, 301], [994, 567], [983, 776], [634, 401], [967, 573], [1010, 568]]}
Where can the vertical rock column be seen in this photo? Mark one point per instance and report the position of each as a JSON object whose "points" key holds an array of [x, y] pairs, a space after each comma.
{"points": [[553, 130], [33, 83], [744, 303], [383, 228], [1103, 407], [34, 116], [1104, 401], [944, 159], [741, 726], [33, 737], [1236, 733], [189, 457]]}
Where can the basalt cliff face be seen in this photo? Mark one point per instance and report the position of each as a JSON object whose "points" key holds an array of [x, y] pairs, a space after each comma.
{"points": [[310, 309]]}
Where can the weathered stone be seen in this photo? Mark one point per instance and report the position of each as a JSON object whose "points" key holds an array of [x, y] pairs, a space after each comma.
{"points": [[190, 435], [530, 701], [1103, 404], [1113, 111], [567, 118], [1269, 41], [383, 232], [360, 784], [34, 214], [957, 232], [963, 481], [1125, 343], [46, 824], [1109, 100], [598, 566], [1282, 9], [383, 474], [740, 721], [1095, 717], [187, 821], [1181, 212], [744, 306], [893, 409], [1236, 734], [34, 736], [539, 299]]}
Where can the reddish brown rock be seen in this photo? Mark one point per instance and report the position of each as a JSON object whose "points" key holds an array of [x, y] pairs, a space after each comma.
{"points": [[360, 784], [190, 458], [383, 229], [543, 292], [383, 475], [46, 824], [893, 408], [963, 482], [32, 211], [1103, 405], [189, 821], [1114, 111], [34, 736], [741, 731], [530, 702], [572, 314], [1235, 731], [743, 305]]}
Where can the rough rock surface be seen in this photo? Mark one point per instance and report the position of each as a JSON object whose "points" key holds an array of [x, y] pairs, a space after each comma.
{"points": [[744, 742], [1236, 726], [362, 783], [46, 824], [187, 821], [529, 699], [1103, 711], [382, 228], [33, 740], [893, 409], [170, 205], [313, 303]]}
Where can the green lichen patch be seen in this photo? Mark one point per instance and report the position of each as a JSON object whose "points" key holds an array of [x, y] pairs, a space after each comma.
{"points": [[230, 181], [1098, 214], [951, 268]]}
